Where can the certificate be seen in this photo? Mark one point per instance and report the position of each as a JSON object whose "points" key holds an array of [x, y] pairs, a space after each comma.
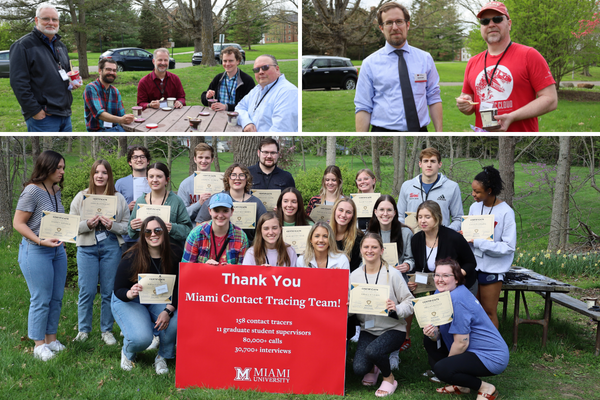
{"points": [[478, 227], [321, 213], [63, 227], [156, 289], [296, 236], [368, 299], [364, 203], [390, 254], [423, 287], [150, 210], [268, 197], [98, 204], [410, 220], [208, 182], [244, 215], [433, 310]]}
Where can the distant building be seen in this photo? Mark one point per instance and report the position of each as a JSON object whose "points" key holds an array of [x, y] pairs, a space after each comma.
{"points": [[462, 55], [282, 29]]}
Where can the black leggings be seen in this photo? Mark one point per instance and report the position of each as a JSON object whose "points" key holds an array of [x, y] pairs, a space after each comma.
{"points": [[375, 350], [461, 369]]}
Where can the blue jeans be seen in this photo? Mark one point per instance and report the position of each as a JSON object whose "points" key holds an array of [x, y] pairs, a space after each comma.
{"points": [[97, 263], [52, 123], [115, 128], [45, 271], [137, 324]]}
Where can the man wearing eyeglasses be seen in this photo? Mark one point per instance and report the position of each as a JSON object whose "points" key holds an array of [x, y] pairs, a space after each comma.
{"points": [[399, 101], [155, 88], [266, 174], [272, 106], [508, 78], [104, 111], [39, 67]]}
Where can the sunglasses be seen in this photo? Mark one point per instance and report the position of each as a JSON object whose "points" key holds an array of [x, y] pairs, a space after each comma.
{"points": [[157, 232], [497, 19], [264, 68]]}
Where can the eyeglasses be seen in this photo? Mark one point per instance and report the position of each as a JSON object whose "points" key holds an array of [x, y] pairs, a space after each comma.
{"points": [[497, 19], [157, 232], [399, 23], [443, 276], [270, 153], [238, 176], [112, 70], [263, 67], [138, 157], [45, 19]]}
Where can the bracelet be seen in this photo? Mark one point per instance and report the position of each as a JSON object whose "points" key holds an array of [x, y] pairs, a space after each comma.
{"points": [[40, 241]]}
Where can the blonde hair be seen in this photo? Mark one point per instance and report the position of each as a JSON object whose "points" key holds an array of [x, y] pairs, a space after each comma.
{"points": [[368, 172], [309, 253], [352, 231]]}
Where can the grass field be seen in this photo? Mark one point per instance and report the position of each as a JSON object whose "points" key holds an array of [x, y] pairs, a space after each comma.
{"points": [[195, 80]]}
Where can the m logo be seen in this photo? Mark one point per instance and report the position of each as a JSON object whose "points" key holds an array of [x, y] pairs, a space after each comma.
{"points": [[242, 374], [441, 198]]}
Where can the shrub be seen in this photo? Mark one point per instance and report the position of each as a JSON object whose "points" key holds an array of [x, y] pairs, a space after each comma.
{"points": [[309, 182]]}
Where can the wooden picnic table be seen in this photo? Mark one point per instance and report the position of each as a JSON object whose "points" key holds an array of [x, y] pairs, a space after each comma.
{"points": [[533, 282], [176, 120]]}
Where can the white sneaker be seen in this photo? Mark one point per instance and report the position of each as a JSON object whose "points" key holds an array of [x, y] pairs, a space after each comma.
{"points": [[155, 343], [81, 337], [161, 365], [394, 360], [121, 333], [108, 338], [42, 352], [56, 346], [126, 364]]}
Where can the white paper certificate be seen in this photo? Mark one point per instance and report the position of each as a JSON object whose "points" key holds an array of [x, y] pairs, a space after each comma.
{"points": [[268, 197], [368, 299], [63, 227], [150, 210], [478, 227], [156, 289], [422, 288], [390, 253], [208, 182], [410, 220], [433, 310], [244, 215], [364, 203], [296, 236], [98, 204], [321, 213]]}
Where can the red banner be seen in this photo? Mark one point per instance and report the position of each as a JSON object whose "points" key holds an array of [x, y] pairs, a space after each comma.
{"points": [[270, 329]]}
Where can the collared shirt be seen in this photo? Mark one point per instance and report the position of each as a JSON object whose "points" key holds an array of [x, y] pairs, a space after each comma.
{"points": [[227, 89], [49, 42], [198, 244], [98, 100], [277, 179], [151, 88], [378, 90], [278, 110]]}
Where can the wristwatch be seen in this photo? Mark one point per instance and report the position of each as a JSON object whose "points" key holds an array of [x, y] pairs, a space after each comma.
{"points": [[169, 312]]}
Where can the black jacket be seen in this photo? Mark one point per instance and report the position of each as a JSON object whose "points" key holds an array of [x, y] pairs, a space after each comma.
{"points": [[34, 76], [450, 244], [278, 179], [243, 88]]}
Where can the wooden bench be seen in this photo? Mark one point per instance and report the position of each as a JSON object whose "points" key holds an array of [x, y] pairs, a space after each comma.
{"points": [[576, 305]]}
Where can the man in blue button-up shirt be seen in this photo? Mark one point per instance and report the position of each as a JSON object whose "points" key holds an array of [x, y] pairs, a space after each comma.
{"points": [[378, 98]]}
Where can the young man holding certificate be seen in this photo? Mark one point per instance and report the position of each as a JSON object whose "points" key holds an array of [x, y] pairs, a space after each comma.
{"points": [[204, 155]]}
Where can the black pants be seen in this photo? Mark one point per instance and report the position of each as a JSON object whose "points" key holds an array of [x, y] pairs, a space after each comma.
{"points": [[380, 129], [375, 350], [461, 369]]}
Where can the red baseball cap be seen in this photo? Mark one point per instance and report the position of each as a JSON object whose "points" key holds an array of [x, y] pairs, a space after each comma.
{"points": [[496, 6]]}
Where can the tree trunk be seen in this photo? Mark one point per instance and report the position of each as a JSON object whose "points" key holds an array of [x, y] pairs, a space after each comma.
{"points": [[399, 156], [47, 143], [5, 187], [330, 159], [194, 141], [69, 144], [413, 156], [244, 149], [35, 148], [468, 150], [214, 144], [206, 13], [77, 13], [303, 156], [94, 147], [506, 158], [122, 146], [375, 157], [560, 204]]}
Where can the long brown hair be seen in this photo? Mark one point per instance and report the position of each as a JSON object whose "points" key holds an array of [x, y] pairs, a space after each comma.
{"points": [[352, 232], [301, 218], [110, 184], [260, 252], [142, 261], [335, 170], [45, 165]]}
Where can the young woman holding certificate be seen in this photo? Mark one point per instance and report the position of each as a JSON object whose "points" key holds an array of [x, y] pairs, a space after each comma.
{"points": [[42, 261], [345, 229], [269, 247], [180, 224], [290, 208], [379, 336], [321, 250], [365, 183], [331, 189], [98, 251], [494, 258], [152, 254], [467, 348]]}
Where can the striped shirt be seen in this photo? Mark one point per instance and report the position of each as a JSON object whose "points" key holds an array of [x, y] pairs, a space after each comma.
{"points": [[35, 200]]}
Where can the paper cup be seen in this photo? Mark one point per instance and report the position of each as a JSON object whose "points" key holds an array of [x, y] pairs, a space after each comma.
{"points": [[137, 111], [73, 75], [232, 117], [487, 118], [194, 123], [171, 101]]}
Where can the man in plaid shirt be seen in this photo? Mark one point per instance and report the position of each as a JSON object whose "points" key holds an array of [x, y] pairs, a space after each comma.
{"points": [[104, 111]]}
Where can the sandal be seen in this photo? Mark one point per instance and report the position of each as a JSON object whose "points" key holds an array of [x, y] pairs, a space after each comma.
{"points": [[488, 396], [386, 389], [455, 390], [405, 345], [370, 379]]}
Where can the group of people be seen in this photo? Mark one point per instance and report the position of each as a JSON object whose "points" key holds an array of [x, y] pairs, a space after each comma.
{"points": [[40, 69], [516, 86], [113, 252]]}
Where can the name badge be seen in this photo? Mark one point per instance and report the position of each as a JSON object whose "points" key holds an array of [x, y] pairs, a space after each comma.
{"points": [[420, 77], [101, 236], [369, 322], [63, 74], [108, 124], [161, 289], [421, 278]]}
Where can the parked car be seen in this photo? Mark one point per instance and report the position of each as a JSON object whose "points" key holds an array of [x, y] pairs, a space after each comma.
{"points": [[197, 57], [327, 72], [4, 63], [133, 59]]}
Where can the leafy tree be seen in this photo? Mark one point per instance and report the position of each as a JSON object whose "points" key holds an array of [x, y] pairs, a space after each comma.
{"points": [[148, 24], [475, 42], [247, 22]]}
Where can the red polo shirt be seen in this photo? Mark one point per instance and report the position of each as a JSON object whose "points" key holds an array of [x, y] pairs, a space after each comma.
{"points": [[151, 88]]}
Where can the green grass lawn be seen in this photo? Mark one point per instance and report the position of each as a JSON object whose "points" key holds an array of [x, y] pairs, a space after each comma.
{"points": [[195, 80]]}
